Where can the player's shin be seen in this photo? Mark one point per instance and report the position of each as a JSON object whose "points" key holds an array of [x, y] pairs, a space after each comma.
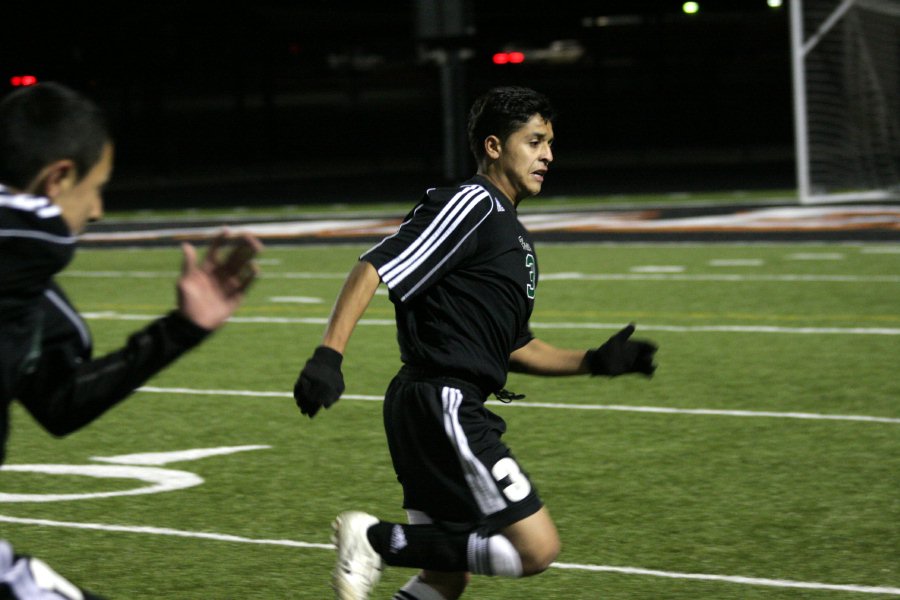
{"points": [[434, 548]]}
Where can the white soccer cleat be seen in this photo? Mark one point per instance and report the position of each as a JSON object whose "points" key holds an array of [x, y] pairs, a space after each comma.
{"points": [[358, 566]]}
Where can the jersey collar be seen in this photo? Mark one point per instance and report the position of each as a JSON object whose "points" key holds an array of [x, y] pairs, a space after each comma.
{"points": [[499, 197]]}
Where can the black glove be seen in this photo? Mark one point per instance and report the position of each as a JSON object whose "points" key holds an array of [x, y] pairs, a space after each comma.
{"points": [[320, 382], [619, 355]]}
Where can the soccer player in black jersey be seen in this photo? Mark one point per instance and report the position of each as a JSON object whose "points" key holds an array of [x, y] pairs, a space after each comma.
{"points": [[462, 273], [56, 155]]}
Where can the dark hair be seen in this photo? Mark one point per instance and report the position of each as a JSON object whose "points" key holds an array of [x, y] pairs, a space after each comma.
{"points": [[44, 123], [503, 110]]}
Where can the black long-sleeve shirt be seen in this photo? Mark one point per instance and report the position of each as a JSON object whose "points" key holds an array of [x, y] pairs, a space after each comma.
{"points": [[45, 346], [462, 274]]}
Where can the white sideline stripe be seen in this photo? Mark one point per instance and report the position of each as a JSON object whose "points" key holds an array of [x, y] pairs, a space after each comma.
{"points": [[785, 583], [728, 328], [177, 390], [611, 407], [655, 269], [544, 276], [816, 256], [703, 411], [220, 537], [296, 299], [881, 250], [717, 277], [115, 316], [736, 262]]}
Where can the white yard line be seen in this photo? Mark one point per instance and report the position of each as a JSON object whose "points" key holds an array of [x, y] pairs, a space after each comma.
{"points": [[115, 316], [782, 583], [545, 277], [222, 537], [736, 262], [728, 328], [729, 277], [557, 406], [816, 256], [296, 300]]}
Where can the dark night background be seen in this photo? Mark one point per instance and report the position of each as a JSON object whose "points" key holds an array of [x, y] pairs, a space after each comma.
{"points": [[308, 101]]}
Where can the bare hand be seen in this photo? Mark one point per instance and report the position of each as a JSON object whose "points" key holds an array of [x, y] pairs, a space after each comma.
{"points": [[209, 293]]}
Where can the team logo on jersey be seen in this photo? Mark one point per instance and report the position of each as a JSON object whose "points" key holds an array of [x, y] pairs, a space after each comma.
{"points": [[525, 245], [499, 206]]}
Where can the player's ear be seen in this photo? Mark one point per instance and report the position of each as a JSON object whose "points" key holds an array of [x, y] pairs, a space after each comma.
{"points": [[493, 147], [54, 179]]}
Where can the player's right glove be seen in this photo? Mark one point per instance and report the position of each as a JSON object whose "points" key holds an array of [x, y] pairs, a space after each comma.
{"points": [[620, 355], [320, 382]]}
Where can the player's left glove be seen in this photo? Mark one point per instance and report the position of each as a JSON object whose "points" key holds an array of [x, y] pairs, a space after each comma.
{"points": [[320, 382], [620, 355]]}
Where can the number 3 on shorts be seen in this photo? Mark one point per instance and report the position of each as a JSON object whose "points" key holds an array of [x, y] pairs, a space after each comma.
{"points": [[512, 480]]}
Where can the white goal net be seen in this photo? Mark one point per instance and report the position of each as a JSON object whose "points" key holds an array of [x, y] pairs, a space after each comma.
{"points": [[846, 71]]}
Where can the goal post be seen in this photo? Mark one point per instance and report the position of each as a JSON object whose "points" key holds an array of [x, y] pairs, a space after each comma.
{"points": [[846, 87]]}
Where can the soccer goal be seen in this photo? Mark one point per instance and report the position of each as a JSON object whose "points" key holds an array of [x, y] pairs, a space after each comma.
{"points": [[846, 76]]}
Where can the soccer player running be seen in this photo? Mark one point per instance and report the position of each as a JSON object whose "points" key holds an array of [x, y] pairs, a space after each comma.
{"points": [[462, 274], [56, 155]]}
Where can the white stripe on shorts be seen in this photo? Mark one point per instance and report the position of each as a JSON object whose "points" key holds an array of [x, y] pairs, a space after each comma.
{"points": [[480, 481]]}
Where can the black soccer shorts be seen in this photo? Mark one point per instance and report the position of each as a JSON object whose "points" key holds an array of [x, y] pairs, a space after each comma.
{"points": [[448, 456]]}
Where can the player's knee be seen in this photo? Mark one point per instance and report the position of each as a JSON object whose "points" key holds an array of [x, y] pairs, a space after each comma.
{"points": [[536, 542], [537, 558]]}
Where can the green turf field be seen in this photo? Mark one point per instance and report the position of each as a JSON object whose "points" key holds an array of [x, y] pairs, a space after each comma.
{"points": [[761, 462]]}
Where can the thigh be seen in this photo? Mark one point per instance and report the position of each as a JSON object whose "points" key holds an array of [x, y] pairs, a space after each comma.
{"points": [[449, 457], [426, 464]]}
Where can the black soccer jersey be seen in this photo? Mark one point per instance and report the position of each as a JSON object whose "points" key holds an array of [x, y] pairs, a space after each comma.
{"points": [[462, 274]]}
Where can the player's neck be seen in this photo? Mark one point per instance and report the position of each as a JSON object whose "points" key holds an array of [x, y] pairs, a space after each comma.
{"points": [[502, 184]]}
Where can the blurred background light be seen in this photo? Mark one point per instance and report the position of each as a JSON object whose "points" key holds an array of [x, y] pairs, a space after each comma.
{"points": [[22, 80]]}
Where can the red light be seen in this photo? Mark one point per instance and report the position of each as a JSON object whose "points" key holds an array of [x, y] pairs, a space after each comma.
{"points": [[22, 80], [513, 58]]}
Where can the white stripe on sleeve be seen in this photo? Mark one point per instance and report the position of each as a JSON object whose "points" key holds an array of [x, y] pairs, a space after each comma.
{"points": [[447, 222]]}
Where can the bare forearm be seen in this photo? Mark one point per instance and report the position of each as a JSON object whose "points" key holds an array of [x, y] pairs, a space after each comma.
{"points": [[540, 358], [354, 298]]}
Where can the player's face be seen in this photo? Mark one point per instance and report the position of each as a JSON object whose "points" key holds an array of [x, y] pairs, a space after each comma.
{"points": [[525, 158], [82, 201]]}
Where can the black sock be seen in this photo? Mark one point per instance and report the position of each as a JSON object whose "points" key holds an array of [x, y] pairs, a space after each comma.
{"points": [[420, 546]]}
